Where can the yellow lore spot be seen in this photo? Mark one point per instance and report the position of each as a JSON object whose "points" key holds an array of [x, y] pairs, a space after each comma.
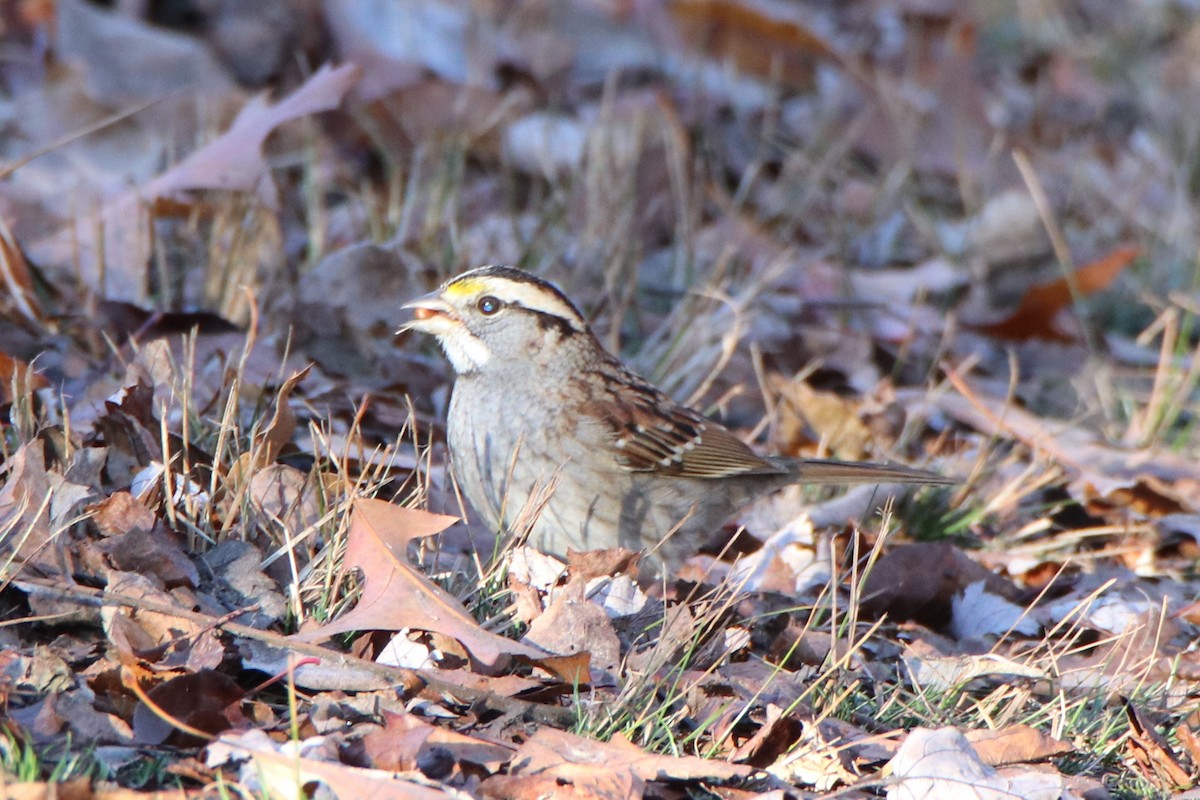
{"points": [[465, 288]]}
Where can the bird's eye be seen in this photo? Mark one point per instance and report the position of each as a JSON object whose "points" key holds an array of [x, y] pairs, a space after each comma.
{"points": [[488, 305]]}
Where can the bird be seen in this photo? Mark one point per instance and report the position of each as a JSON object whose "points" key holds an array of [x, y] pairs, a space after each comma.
{"points": [[551, 435]]}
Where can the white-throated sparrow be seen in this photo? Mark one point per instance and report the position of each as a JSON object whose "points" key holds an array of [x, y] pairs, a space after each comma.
{"points": [[544, 422]]}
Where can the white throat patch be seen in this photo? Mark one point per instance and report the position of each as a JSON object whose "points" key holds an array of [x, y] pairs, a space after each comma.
{"points": [[465, 351]]}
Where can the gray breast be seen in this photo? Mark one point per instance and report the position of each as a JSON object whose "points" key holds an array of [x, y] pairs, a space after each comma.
{"points": [[507, 450]]}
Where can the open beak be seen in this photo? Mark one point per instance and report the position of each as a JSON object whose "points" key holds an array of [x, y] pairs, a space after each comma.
{"points": [[431, 314]]}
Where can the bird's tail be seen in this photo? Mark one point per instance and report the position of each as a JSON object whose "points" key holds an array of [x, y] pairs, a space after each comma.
{"points": [[832, 471]]}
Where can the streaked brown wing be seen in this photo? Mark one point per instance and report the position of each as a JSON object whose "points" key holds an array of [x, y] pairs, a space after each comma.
{"points": [[653, 433], [656, 434], [685, 447], [720, 454]]}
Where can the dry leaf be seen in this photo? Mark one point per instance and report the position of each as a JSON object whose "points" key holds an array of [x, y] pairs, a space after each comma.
{"points": [[128, 59], [235, 161], [572, 625], [976, 613], [948, 131], [920, 582], [116, 240], [1034, 317], [768, 40], [804, 413], [552, 760], [1102, 469], [76, 712], [13, 370], [400, 44], [405, 740], [157, 552], [130, 431], [17, 282], [76, 789], [1016, 744], [940, 764], [162, 641], [433, 110], [774, 737], [121, 512], [239, 582], [279, 431], [819, 758], [278, 774], [1152, 753], [582, 567], [204, 700], [931, 669], [397, 596], [287, 498], [25, 501], [268, 444]]}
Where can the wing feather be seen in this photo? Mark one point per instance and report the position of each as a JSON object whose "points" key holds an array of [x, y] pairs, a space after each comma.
{"points": [[653, 433]]}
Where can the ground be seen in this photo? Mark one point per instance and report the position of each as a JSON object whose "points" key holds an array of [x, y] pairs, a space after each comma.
{"points": [[960, 236]]}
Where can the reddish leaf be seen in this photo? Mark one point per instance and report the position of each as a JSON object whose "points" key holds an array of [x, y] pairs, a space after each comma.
{"points": [[16, 279], [1034, 317], [26, 380], [776, 46]]}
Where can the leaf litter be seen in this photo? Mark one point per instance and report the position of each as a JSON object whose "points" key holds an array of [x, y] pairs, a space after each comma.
{"points": [[230, 539]]}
